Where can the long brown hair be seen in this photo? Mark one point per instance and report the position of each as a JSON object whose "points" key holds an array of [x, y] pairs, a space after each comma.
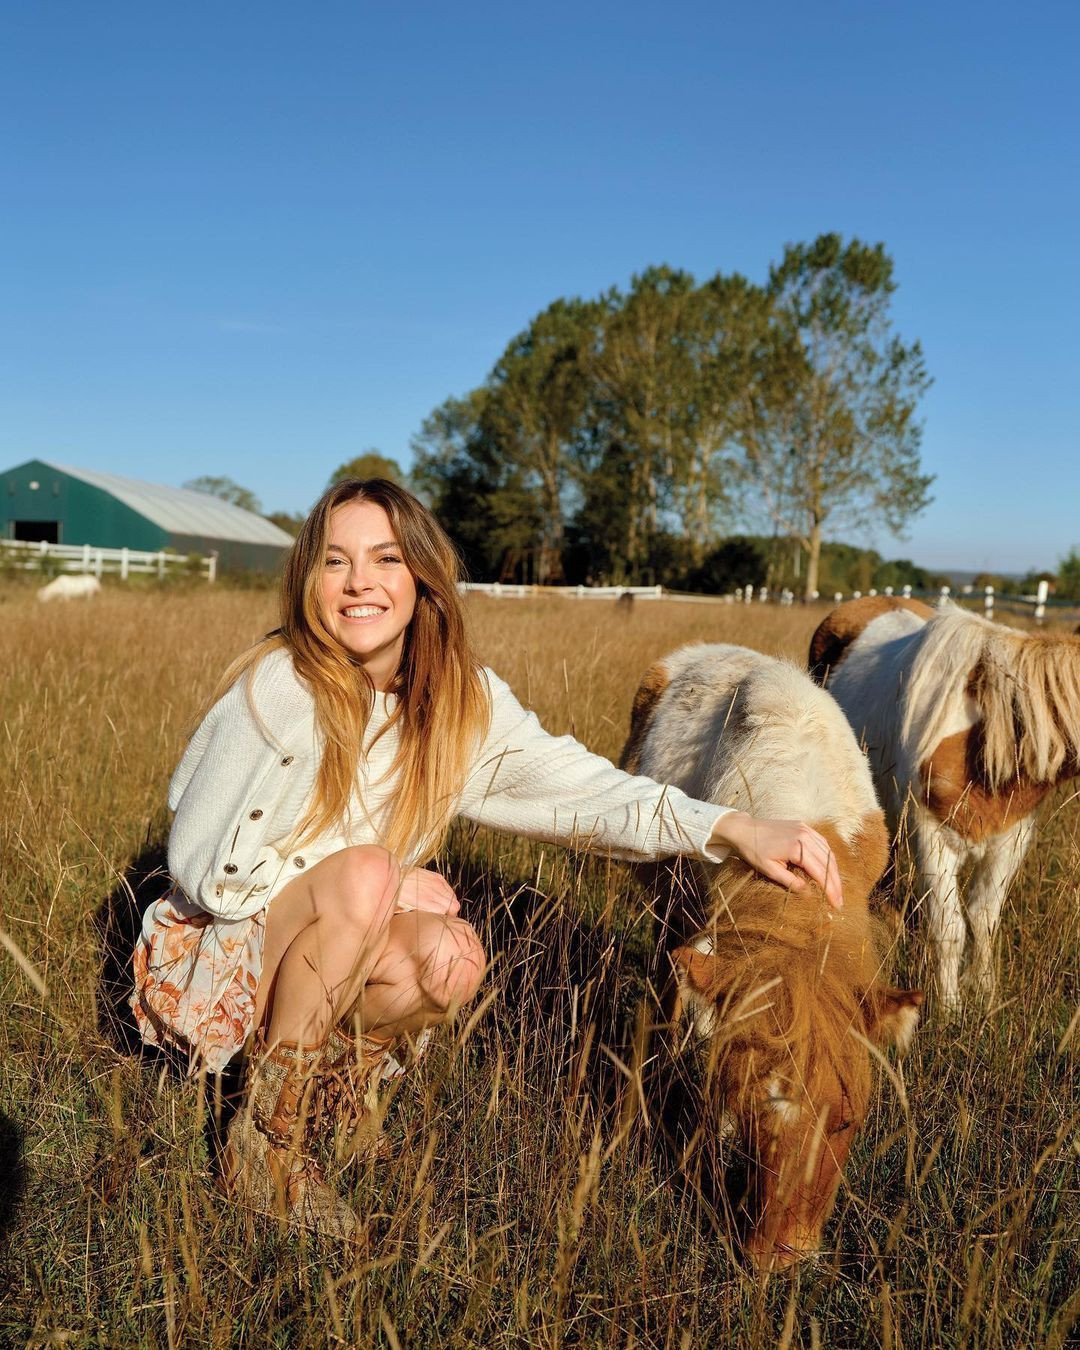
{"points": [[442, 708]]}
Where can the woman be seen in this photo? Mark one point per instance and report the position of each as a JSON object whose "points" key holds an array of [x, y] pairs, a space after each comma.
{"points": [[334, 756]]}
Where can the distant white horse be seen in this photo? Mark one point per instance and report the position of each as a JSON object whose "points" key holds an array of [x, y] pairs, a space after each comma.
{"points": [[70, 588], [968, 726], [784, 993]]}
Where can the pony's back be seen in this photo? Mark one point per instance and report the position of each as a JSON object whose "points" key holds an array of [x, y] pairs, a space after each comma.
{"points": [[746, 730]]}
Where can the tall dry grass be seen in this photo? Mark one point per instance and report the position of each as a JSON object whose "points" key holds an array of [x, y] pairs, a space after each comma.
{"points": [[524, 1203]]}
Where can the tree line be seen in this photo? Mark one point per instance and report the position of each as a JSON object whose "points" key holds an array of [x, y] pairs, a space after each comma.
{"points": [[626, 438], [702, 435]]}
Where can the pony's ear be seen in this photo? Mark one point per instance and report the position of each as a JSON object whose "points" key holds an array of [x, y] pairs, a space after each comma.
{"points": [[697, 971], [892, 1015]]}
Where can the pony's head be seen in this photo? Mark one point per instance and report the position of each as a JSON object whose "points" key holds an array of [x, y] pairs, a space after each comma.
{"points": [[786, 1000]]}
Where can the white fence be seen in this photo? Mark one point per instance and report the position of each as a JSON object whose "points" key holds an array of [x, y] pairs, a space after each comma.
{"points": [[92, 561], [747, 595], [576, 592]]}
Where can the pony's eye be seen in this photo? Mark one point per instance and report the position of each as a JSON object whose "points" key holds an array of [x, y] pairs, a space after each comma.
{"points": [[844, 1125]]}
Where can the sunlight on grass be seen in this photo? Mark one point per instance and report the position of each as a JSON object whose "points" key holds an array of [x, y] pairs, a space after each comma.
{"points": [[525, 1202]]}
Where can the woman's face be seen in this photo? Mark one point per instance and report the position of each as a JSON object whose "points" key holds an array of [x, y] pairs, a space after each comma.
{"points": [[368, 593]]}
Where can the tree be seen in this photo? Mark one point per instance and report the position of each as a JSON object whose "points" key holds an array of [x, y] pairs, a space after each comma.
{"points": [[833, 433], [288, 521], [481, 499], [643, 378], [1068, 576], [227, 490], [368, 465], [537, 396]]}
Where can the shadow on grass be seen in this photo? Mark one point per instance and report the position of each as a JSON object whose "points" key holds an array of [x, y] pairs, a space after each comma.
{"points": [[119, 922], [606, 973], [12, 1173]]}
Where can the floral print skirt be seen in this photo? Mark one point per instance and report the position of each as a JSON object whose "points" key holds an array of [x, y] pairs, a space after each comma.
{"points": [[196, 979]]}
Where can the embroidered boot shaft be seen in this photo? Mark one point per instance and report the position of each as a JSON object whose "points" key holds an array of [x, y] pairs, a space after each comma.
{"points": [[347, 1101], [266, 1165]]}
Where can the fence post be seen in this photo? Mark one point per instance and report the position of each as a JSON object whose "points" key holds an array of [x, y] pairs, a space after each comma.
{"points": [[85, 558], [99, 564], [1040, 601], [123, 564], [211, 572], [161, 566], [988, 602]]}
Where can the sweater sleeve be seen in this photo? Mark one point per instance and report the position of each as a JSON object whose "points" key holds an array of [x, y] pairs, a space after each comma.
{"points": [[243, 762], [550, 787]]}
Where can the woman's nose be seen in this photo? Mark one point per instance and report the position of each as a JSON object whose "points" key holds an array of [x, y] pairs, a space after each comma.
{"points": [[358, 580]]}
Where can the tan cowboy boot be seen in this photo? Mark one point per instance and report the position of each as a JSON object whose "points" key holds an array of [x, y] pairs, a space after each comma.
{"points": [[347, 1097], [264, 1164]]}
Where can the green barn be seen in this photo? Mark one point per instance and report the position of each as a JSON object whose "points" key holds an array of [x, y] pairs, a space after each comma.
{"points": [[59, 505]]}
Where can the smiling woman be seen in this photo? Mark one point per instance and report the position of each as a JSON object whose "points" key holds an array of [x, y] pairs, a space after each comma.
{"points": [[323, 776], [369, 595]]}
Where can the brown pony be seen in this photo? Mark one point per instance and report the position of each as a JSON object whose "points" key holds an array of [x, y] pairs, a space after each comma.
{"points": [[968, 726], [779, 997]]}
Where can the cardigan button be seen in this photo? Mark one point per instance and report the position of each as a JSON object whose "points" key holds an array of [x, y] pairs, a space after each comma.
{"points": [[287, 760], [219, 889], [299, 862], [255, 815], [230, 869]]}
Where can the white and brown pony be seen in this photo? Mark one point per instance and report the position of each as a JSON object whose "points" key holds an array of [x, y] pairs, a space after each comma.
{"points": [[782, 995], [968, 725]]}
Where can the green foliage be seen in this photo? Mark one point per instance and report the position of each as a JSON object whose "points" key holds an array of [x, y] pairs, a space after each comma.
{"points": [[834, 438], [1068, 576], [227, 490], [736, 562], [1028, 584], [679, 409], [370, 464], [482, 499], [288, 521]]}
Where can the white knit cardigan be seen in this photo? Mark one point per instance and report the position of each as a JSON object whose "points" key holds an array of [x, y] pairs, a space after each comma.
{"points": [[248, 775]]}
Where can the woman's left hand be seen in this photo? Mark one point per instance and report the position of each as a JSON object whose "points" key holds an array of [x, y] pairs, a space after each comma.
{"points": [[423, 888]]}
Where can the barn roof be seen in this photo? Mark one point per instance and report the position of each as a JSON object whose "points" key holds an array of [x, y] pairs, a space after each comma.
{"points": [[183, 511]]}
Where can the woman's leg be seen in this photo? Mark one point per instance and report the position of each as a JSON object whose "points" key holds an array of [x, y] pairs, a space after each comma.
{"points": [[325, 932], [429, 967]]}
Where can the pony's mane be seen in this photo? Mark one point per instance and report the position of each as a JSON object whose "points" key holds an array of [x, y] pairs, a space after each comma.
{"points": [[794, 975], [1026, 686]]}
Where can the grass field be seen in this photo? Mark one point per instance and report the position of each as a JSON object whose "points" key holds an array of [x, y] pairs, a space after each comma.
{"points": [[523, 1203]]}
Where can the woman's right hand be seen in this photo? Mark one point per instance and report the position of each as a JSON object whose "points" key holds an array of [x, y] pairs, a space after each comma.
{"points": [[423, 888], [773, 847]]}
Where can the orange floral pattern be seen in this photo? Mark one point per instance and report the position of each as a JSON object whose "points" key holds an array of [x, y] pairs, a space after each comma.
{"points": [[196, 978]]}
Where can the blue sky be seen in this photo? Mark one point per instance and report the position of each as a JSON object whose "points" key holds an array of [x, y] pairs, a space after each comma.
{"points": [[255, 239]]}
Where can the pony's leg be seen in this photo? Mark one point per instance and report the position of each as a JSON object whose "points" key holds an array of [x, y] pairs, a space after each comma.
{"points": [[990, 882], [939, 864]]}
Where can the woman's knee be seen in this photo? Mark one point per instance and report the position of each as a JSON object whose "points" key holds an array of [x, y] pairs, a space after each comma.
{"points": [[368, 879], [452, 965]]}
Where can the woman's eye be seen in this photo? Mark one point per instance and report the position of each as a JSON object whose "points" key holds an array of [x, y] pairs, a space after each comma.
{"points": [[389, 558], [330, 562]]}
